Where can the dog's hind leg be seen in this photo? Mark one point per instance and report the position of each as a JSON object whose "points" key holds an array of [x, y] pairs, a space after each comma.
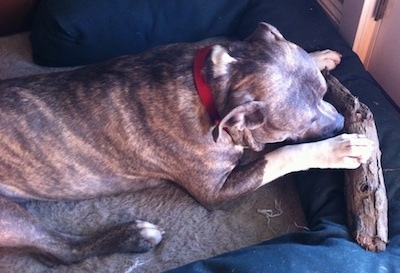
{"points": [[21, 230]]}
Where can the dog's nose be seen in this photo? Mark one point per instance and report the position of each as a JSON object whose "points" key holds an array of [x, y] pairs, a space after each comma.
{"points": [[339, 123], [334, 127], [327, 125], [330, 117]]}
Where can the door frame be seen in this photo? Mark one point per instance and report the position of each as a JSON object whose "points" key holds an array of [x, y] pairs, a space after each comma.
{"points": [[366, 30], [355, 21]]}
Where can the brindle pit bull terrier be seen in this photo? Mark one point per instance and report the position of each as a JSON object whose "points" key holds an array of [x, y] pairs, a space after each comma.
{"points": [[136, 121]]}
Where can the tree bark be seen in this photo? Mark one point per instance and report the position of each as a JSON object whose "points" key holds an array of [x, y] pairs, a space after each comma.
{"points": [[364, 187]]}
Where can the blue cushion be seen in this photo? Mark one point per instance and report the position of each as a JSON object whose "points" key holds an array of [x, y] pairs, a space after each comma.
{"points": [[77, 32]]}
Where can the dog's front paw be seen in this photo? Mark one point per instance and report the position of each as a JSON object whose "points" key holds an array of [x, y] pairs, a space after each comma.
{"points": [[346, 151], [326, 59]]}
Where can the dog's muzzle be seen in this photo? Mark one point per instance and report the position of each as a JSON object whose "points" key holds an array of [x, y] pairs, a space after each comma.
{"points": [[328, 124]]}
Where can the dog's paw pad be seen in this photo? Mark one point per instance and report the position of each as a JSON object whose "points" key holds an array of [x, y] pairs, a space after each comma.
{"points": [[150, 232]]}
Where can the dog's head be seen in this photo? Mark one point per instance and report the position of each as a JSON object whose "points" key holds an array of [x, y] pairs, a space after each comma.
{"points": [[275, 91]]}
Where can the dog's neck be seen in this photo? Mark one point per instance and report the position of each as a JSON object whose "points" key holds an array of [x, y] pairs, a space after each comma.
{"points": [[210, 101], [202, 86]]}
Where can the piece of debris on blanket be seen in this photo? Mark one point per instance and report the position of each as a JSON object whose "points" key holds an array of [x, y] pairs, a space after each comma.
{"points": [[269, 213]]}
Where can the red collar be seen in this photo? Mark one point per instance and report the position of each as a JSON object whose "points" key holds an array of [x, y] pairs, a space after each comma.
{"points": [[202, 86]]}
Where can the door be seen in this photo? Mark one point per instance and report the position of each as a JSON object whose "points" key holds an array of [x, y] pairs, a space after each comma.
{"points": [[384, 61]]}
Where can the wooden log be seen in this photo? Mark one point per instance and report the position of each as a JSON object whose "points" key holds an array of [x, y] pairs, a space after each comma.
{"points": [[365, 190]]}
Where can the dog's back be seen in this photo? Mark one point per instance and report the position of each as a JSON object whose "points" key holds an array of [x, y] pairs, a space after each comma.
{"points": [[103, 126]]}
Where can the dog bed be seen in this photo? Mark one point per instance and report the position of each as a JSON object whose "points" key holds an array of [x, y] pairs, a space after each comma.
{"points": [[193, 233]]}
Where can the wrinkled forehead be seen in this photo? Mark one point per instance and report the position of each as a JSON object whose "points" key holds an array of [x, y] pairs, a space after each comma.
{"points": [[293, 92], [293, 68], [292, 55], [274, 42]]}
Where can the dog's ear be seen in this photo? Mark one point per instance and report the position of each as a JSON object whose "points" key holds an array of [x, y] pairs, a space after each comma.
{"points": [[221, 60], [264, 33], [250, 115]]}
